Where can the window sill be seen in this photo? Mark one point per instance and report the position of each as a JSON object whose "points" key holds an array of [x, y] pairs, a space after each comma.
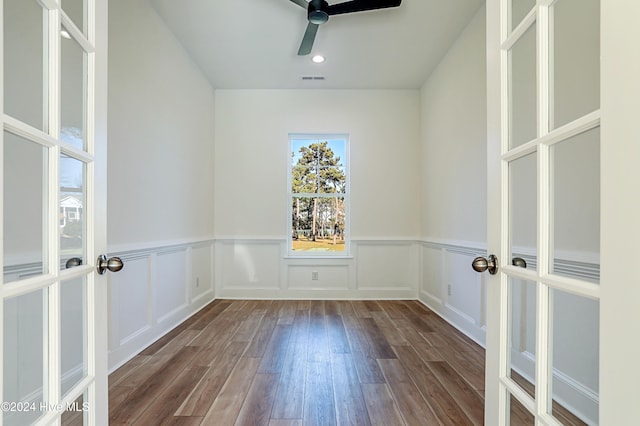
{"points": [[325, 257]]}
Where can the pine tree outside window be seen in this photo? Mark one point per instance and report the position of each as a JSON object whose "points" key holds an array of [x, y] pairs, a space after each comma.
{"points": [[319, 195]]}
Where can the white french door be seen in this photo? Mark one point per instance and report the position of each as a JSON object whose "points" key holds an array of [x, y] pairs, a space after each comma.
{"points": [[563, 85], [53, 154], [544, 119]]}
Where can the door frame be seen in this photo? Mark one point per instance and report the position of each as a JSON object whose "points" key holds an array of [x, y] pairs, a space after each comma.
{"points": [[100, 342], [620, 210], [495, 310]]}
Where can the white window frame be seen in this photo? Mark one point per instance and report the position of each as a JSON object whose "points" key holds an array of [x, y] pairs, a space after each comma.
{"points": [[346, 253]]}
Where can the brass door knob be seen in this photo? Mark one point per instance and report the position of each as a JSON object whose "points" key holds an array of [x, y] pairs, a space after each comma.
{"points": [[481, 264]]}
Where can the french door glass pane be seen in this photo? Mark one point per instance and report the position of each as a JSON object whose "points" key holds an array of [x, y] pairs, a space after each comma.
{"points": [[523, 209], [24, 62], [522, 89], [317, 224], [72, 214], [575, 361], [24, 208], [576, 206], [575, 49], [522, 337], [76, 11], [518, 9], [24, 336], [73, 321], [73, 93], [519, 415], [76, 412]]}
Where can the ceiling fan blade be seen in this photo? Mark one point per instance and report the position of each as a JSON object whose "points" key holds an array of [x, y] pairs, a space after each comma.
{"points": [[308, 39], [301, 3], [361, 6]]}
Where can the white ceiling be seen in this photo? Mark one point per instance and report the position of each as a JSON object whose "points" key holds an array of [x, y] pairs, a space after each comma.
{"points": [[253, 44]]}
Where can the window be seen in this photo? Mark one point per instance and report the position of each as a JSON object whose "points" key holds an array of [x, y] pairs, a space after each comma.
{"points": [[319, 195]]}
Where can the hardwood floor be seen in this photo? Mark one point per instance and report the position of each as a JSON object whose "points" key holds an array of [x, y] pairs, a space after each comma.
{"points": [[280, 363]]}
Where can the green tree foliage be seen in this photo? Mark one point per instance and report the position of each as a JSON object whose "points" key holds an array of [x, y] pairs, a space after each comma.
{"points": [[318, 171]]}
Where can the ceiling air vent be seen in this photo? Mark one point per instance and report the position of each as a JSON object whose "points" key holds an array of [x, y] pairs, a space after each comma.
{"points": [[312, 77]]}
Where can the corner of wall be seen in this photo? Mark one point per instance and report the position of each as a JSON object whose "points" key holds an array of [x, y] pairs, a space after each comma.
{"points": [[453, 152]]}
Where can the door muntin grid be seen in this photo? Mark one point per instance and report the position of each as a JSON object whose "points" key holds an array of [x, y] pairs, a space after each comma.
{"points": [[42, 123], [548, 143]]}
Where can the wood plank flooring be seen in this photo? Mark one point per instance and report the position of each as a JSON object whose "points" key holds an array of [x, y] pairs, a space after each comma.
{"points": [[277, 363]]}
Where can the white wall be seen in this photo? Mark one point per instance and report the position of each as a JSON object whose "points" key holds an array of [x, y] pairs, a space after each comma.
{"points": [[252, 153], [453, 117], [160, 132], [160, 197], [453, 181], [251, 220]]}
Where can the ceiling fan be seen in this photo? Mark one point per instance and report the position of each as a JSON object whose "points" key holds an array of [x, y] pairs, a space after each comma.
{"points": [[318, 12]]}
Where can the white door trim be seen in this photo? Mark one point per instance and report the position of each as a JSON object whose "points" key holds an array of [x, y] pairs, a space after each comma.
{"points": [[620, 210]]}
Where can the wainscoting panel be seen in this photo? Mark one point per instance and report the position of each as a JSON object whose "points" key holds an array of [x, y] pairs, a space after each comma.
{"points": [[432, 281], [451, 288], [260, 269], [170, 295], [317, 277], [248, 264], [387, 265], [158, 288], [130, 301], [201, 271], [463, 288]]}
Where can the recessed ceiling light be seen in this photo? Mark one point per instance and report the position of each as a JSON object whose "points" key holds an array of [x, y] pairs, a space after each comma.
{"points": [[318, 59]]}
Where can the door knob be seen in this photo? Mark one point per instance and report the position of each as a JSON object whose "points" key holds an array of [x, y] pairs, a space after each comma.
{"points": [[73, 262], [113, 264], [519, 262], [481, 264]]}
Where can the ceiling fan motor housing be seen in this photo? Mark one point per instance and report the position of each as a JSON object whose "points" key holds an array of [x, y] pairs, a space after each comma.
{"points": [[317, 12]]}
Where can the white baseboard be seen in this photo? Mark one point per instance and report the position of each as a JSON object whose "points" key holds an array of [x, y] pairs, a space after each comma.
{"points": [[317, 294]]}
